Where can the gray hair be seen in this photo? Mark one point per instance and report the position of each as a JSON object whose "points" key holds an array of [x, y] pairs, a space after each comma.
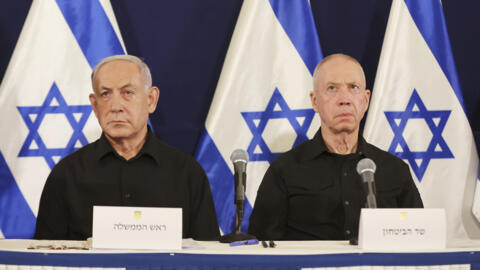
{"points": [[144, 70]]}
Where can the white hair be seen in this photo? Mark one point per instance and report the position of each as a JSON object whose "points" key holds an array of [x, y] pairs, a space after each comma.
{"points": [[144, 70]]}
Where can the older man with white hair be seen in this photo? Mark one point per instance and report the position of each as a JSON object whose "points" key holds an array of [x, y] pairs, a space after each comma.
{"points": [[127, 165], [313, 192]]}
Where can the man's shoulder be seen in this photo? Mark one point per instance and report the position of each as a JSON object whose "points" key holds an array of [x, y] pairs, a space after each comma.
{"points": [[171, 155], [91, 153], [305, 150], [75, 163], [388, 164], [294, 155], [383, 156], [170, 151], [86, 152]]}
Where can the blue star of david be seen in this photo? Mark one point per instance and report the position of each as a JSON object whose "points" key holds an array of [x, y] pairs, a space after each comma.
{"points": [[271, 113], [437, 141], [49, 107]]}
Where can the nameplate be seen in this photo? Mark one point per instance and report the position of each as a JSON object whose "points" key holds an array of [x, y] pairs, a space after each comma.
{"points": [[118, 227], [402, 229]]}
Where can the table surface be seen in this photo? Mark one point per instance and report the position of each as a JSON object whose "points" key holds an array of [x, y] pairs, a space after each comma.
{"points": [[214, 255], [190, 246]]}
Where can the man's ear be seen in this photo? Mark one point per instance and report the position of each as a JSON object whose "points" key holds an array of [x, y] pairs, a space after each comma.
{"points": [[313, 99], [93, 102], [367, 97], [153, 95]]}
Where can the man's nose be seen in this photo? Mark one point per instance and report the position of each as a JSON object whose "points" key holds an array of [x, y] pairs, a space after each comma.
{"points": [[116, 102], [344, 97]]}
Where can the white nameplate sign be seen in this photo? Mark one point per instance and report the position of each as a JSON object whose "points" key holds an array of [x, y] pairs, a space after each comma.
{"points": [[402, 229], [118, 227]]}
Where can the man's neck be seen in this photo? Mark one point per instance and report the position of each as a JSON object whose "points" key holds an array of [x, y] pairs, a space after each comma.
{"points": [[128, 147], [342, 143]]}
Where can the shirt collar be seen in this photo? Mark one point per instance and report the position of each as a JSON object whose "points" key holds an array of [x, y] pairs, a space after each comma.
{"points": [[104, 147], [317, 146]]}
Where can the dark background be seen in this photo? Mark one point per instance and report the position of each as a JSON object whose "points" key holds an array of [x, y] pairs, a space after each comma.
{"points": [[185, 41]]}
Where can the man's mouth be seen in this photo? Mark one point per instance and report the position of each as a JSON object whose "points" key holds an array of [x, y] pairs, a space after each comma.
{"points": [[115, 122], [342, 115]]}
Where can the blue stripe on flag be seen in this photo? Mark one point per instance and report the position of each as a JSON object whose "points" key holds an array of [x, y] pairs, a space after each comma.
{"points": [[17, 219], [428, 16], [297, 20], [92, 29], [221, 184]]}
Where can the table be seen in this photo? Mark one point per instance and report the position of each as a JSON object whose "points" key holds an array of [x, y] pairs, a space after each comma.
{"points": [[211, 255]]}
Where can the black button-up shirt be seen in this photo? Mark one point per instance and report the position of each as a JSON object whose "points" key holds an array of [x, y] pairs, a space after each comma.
{"points": [[309, 193], [159, 176]]}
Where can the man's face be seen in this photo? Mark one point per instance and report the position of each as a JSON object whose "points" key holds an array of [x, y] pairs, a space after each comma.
{"points": [[340, 97], [120, 101]]}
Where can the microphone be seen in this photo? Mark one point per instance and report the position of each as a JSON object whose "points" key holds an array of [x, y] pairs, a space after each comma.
{"points": [[239, 159], [366, 169]]}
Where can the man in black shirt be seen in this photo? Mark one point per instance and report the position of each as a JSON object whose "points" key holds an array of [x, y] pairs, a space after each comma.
{"points": [[127, 166], [313, 191]]}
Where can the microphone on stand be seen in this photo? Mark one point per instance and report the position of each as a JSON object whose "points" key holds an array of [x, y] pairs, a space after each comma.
{"points": [[366, 169], [239, 159]]}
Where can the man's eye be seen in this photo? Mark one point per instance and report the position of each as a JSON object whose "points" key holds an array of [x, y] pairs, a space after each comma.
{"points": [[104, 94], [331, 87], [355, 88]]}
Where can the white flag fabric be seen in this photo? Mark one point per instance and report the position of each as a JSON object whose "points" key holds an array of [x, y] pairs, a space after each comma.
{"points": [[417, 112], [44, 102], [261, 103]]}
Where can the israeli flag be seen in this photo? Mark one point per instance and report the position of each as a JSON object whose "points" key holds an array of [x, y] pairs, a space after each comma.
{"points": [[261, 102], [44, 103], [417, 113]]}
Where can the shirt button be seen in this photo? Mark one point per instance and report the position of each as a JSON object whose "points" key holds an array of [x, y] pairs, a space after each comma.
{"points": [[344, 174], [128, 195], [347, 232], [347, 203]]}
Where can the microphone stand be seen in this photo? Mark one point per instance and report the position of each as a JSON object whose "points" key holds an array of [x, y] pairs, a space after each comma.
{"points": [[366, 169], [237, 234], [239, 158]]}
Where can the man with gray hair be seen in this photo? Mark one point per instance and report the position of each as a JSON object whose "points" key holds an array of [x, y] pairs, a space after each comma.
{"points": [[127, 166], [313, 191]]}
